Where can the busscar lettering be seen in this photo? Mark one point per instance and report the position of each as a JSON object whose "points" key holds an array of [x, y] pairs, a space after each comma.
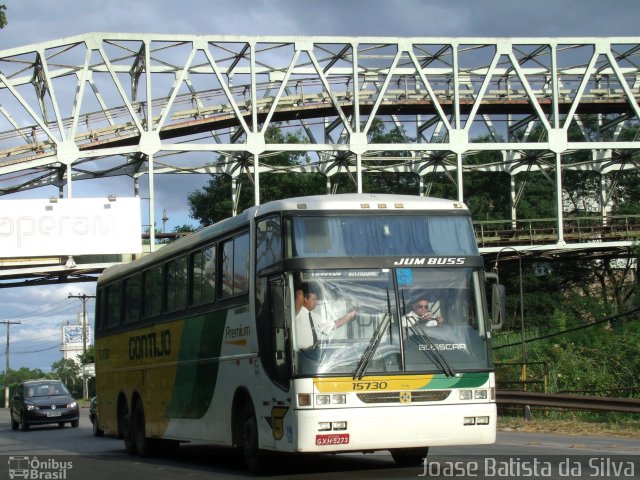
{"points": [[443, 346], [150, 345]]}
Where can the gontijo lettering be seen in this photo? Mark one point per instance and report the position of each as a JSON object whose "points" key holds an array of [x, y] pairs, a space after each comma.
{"points": [[150, 345]]}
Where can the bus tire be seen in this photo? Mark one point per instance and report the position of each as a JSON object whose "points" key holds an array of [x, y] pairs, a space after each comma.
{"points": [[409, 457], [257, 462], [127, 434], [95, 427], [143, 444]]}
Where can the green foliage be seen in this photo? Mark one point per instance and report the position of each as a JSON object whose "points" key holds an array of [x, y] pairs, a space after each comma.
{"points": [[68, 371], [213, 202], [3, 16], [90, 356]]}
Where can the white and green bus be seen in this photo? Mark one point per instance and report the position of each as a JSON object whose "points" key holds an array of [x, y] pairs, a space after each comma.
{"points": [[207, 339]]}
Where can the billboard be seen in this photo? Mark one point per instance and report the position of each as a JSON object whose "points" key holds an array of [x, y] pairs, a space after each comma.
{"points": [[69, 226]]}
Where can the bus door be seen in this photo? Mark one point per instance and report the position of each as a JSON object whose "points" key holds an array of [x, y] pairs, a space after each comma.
{"points": [[280, 371]]}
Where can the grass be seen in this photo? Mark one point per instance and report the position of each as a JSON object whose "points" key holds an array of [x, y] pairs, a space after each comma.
{"points": [[573, 425]]}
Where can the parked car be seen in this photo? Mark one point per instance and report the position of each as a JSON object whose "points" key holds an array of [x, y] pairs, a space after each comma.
{"points": [[93, 416], [38, 402]]}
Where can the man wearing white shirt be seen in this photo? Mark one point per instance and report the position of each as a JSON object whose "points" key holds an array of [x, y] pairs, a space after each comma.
{"points": [[420, 314], [312, 327]]}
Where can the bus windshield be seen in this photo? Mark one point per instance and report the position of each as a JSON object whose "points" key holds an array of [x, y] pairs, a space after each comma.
{"points": [[386, 235], [359, 321]]}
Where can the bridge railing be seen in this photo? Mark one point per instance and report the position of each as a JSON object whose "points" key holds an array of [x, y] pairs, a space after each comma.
{"points": [[580, 229]]}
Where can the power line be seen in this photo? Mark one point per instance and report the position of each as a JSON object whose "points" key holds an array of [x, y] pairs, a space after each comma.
{"points": [[52, 309], [569, 330]]}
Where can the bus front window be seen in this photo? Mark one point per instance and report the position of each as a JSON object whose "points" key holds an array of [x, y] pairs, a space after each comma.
{"points": [[336, 315], [360, 322]]}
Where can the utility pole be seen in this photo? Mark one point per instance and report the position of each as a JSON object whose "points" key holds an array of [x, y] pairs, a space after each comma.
{"points": [[84, 297], [6, 371]]}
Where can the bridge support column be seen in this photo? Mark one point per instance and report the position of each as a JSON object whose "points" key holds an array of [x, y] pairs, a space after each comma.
{"points": [[603, 199], [152, 200], [359, 172], [559, 199], [256, 180], [234, 196], [514, 214], [459, 177]]}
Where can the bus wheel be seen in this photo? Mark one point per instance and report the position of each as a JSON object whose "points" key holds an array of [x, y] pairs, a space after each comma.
{"points": [[97, 431], [255, 460], [127, 433], [409, 457], [142, 443]]}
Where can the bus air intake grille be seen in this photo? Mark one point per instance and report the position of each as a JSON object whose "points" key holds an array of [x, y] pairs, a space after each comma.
{"points": [[404, 397]]}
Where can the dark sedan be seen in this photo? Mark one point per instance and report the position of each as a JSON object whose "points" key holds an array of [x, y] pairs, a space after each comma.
{"points": [[38, 402]]}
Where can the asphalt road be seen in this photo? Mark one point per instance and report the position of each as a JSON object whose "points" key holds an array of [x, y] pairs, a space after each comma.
{"points": [[74, 453]]}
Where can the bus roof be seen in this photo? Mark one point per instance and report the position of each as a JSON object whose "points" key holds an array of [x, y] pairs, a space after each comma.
{"points": [[361, 201], [337, 202]]}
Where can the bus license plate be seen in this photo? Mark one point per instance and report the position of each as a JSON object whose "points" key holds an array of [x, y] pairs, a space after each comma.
{"points": [[54, 414], [334, 439]]}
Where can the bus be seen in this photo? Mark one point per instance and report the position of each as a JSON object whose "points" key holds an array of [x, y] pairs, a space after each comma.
{"points": [[208, 338]]}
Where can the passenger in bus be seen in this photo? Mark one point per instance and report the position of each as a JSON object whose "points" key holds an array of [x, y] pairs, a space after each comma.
{"points": [[313, 328], [421, 314]]}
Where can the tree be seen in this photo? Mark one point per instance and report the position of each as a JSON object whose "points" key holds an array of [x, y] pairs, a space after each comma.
{"points": [[89, 357], [213, 202], [68, 371], [3, 16]]}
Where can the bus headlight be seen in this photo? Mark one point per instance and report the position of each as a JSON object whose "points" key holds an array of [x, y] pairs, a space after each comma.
{"points": [[324, 426], [482, 420], [323, 399], [480, 394], [339, 399], [466, 394]]}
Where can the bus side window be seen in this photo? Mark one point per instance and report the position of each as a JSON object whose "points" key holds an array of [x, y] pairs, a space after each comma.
{"points": [[114, 304], [268, 242], [203, 276], [175, 293], [132, 298], [235, 265], [152, 291]]}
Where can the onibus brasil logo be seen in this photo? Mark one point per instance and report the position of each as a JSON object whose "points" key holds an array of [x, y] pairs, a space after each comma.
{"points": [[36, 469]]}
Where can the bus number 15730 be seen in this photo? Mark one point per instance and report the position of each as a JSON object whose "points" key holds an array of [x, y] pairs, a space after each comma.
{"points": [[369, 385]]}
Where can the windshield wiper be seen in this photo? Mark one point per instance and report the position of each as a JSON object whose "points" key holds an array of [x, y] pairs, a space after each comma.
{"points": [[373, 343], [424, 336]]}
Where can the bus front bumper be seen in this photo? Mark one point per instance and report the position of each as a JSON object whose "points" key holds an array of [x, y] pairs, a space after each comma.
{"points": [[384, 428]]}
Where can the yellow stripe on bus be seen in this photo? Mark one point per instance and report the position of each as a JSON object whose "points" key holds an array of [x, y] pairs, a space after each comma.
{"points": [[348, 384]]}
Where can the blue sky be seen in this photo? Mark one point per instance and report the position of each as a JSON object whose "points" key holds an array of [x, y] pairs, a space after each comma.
{"points": [[43, 310]]}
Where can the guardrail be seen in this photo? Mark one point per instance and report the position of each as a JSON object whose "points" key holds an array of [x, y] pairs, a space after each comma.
{"points": [[491, 233], [570, 402]]}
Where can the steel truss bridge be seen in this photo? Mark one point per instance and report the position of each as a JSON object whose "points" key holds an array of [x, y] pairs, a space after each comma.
{"points": [[140, 105]]}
